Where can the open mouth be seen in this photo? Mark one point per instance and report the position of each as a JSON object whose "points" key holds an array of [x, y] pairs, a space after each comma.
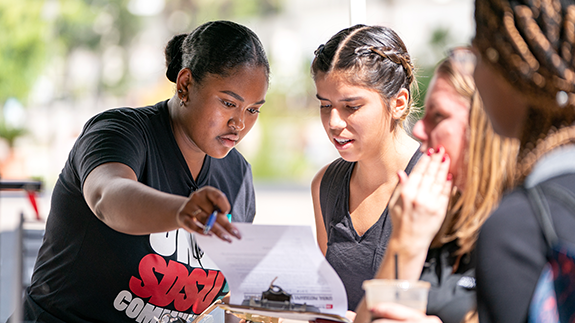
{"points": [[342, 141]]}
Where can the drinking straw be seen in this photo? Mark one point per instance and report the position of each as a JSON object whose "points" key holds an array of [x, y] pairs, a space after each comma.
{"points": [[396, 269]]}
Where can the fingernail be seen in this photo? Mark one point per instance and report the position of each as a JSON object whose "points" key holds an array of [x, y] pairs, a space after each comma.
{"points": [[226, 237], [440, 149], [429, 151], [445, 157], [449, 176], [198, 223], [237, 233]]}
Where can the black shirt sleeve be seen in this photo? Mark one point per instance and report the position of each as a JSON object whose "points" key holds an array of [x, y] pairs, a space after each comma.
{"points": [[112, 136], [250, 196], [237, 185], [452, 294]]}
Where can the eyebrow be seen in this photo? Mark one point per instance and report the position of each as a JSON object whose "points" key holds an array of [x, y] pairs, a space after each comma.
{"points": [[353, 98], [238, 97]]}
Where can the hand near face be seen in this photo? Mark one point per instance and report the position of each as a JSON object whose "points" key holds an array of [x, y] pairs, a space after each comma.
{"points": [[419, 203], [390, 312], [194, 214]]}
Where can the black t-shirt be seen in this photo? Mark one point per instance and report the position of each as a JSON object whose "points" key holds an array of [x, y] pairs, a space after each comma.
{"points": [[452, 279], [355, 258], [87, 272], [511, 254]]}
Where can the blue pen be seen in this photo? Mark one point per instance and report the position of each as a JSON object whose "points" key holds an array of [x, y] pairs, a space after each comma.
{"points": [[211, 221]]}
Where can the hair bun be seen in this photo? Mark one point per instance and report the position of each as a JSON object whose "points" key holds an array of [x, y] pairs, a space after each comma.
{"points": [[173, 53], [319, 50]]}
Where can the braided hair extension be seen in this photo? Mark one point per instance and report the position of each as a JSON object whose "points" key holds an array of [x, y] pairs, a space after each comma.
{"points": [[370, 56], [532, 43], [391, 54]]}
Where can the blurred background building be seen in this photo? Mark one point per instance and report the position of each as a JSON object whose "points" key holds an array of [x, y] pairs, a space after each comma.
{"points": [[62, 61], [65, 60]]}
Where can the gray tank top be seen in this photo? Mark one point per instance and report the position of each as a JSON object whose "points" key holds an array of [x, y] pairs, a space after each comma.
{"points": [[355, 258]]}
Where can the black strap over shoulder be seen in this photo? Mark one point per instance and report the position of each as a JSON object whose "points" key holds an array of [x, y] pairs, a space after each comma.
{"points": [[541, 207], [558, 162], [554, 294], [330, 188], [333, 182]]}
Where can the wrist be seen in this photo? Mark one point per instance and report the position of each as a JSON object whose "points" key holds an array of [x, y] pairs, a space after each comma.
{"points": [[409, 248], [409, 260]]}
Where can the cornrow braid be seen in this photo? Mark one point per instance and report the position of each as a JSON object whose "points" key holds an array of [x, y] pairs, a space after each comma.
{"points": [[537, 146], [532, 44], [336, 57], [388, 53], [373, 57]]}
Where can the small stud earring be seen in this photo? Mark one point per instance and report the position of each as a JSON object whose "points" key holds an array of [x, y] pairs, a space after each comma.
{"points": [[180, 91]]}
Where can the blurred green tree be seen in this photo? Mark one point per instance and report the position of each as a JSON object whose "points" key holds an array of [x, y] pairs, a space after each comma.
{"points": [[22, 55], [439, 41], [204, 10], [36, 31], [94, 25], [22, 47]]}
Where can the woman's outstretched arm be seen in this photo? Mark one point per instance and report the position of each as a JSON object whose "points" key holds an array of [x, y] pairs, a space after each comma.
{"points": [[116, 197]]}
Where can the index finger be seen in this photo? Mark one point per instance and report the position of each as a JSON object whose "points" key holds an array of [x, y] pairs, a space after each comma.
{"points": [[398, 189], [223, 226], [418, 171], [217, 198]]}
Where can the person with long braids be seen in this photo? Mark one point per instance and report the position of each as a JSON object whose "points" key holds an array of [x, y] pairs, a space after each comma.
{"points": [[526, 77], [363, 76], [435, 228], [117, 246]]}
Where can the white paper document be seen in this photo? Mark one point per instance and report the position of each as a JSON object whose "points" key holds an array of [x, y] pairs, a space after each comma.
{"points": [[289, 253]]}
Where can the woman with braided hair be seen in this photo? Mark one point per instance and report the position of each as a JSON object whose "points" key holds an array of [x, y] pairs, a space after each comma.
{"points": [[363, 76], [117, 246], [526, 77]]}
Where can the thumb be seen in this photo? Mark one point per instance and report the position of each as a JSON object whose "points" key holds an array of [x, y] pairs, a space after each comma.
{"points": [[402, 176]]}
